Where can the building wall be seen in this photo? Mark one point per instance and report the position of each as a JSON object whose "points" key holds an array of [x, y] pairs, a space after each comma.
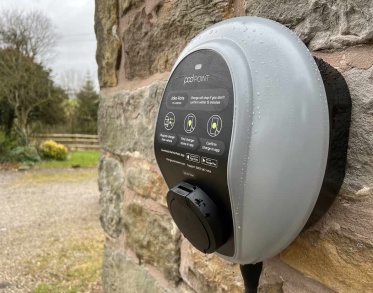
{"points": [[138, 43]]}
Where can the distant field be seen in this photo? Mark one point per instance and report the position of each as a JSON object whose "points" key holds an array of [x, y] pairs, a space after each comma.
{"points": [[87, 158]]}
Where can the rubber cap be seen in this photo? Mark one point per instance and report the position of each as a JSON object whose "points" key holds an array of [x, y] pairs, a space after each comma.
{"points": [[197, 217]]}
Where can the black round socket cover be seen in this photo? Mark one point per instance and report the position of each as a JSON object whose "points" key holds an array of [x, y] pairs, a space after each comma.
{"points": [[189, 224], [197, 217]]}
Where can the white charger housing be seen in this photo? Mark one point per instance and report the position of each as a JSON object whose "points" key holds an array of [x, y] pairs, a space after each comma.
{"points": [[243, 128]]}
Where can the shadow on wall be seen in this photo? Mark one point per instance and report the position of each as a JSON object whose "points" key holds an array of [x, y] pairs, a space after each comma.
{"points": [[339, 104]]}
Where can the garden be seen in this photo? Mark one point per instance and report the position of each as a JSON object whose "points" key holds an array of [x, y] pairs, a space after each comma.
{"points": [[50, 234], [48, 154]]}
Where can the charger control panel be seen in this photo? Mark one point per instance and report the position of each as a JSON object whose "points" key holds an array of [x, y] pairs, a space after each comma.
{"points": [[193, 136]]}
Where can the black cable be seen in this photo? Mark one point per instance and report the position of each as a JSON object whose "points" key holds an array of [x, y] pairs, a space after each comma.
{"points": [[251, 274]]}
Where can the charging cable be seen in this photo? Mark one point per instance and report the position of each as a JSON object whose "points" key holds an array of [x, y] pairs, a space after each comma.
{"points": [[251, 274]]}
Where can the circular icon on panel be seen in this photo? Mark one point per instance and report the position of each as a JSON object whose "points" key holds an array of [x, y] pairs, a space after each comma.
{"points": [[190, 123], [169, 121], [214, 125]]}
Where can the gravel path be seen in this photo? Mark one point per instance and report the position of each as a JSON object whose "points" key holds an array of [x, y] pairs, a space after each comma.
{"points": [[49, 229]]}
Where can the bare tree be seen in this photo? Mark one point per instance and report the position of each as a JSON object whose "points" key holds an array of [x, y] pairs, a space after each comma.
{"points": [[71, 81], [25, 38], [31, 33]]}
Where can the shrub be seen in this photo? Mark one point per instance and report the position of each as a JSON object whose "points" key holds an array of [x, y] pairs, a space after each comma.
{"points": [[51, 150], [7, 143], [24, 154]]}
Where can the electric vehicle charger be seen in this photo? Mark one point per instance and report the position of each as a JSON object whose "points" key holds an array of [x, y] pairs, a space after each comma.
{"points": [[242, 140]]}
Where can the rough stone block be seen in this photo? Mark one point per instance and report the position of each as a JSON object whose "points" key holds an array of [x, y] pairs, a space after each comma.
{"points": [[121, 275], [359, 172], [147, 183], [126, 121], [278, 277], [207, 273], [360, 57], [154, 34], [154, 238], [111, 185], [108, 45], [321, 24], [338, 250]]}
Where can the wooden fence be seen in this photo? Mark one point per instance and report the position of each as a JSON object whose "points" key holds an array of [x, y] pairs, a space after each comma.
{"points": [[72, 141]]}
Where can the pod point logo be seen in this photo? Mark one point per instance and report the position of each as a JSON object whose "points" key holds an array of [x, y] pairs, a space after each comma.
{"points": [[196, 78]]}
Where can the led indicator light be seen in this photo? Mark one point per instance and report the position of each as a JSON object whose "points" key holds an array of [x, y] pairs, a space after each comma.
{"points": [[198, 66]]}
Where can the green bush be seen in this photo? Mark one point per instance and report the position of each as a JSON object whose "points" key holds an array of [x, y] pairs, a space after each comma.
{"points": [[24, 154], [7, 143], [51, 150]]}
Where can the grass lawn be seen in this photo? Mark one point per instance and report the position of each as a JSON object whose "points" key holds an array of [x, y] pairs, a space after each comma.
{"points": [[69, 268], [87, 158]]}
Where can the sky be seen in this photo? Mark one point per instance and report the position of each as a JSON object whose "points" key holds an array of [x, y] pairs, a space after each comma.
{"points": [[76, 43]]}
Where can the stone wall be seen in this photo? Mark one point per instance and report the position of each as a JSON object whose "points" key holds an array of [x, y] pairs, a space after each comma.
{"points": [[138, 42]]}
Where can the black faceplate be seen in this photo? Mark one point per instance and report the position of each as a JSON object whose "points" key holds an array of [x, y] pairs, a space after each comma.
{"points": [[194, 127]]}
